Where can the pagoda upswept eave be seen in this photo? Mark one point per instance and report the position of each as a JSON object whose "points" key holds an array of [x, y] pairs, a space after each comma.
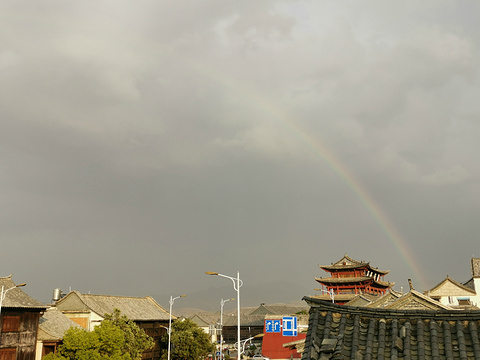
{"points": [[334, 268], [347, 263], [354, 280]]}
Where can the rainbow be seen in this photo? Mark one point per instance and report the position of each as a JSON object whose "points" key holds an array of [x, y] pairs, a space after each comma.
{"points": [[368, 202]]}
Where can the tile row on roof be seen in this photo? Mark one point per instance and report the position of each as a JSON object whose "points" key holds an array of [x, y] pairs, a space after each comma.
{"points": [[16, 298], [53, 325], [353, 280], [346, 332], [450, 287], [135, 308], [348, 263]]}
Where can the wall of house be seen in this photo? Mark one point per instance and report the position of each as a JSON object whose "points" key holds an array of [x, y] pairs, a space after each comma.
{"points": [[448, 300], [86, 319], [18, 334], [476, 299], [454, 300]]}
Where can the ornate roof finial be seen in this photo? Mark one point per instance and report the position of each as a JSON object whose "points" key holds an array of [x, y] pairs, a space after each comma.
{"points": [[410, 284]]}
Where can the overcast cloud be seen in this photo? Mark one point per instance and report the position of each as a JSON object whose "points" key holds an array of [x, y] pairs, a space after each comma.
{"points": [[143, 143]]}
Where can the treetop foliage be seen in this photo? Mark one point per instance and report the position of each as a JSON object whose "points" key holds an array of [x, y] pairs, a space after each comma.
{"points": [[116, 338], [189, 342]]}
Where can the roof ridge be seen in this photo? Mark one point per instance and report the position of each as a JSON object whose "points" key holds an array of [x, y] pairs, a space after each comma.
{"points": [[448, 314]]}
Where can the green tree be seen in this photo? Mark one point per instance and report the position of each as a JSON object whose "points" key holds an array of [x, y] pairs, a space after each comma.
{"points": [[189, 342], [136, 340], [116, 338]]}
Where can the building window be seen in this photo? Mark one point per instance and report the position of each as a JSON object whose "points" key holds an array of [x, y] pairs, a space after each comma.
{"points": [[10, 323], [48, 349], [464, 301]]}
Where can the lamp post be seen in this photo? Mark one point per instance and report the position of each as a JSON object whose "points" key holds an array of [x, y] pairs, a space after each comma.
{"points": [[4, 293], [172, 300], [237, 284], [244, 342], [222, 302]]}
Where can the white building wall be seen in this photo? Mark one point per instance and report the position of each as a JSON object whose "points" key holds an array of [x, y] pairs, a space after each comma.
{"points": [[38, 350], [476, 299]]}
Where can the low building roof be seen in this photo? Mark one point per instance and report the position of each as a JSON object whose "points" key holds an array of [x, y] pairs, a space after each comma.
{"points": [[53, 325], [205, 319], [385, 300], [16, 298], [416, 300], [336, 297], [245, 320], [282, 309], [345, 332], [363, 299], [450, 287], [135, 308]]}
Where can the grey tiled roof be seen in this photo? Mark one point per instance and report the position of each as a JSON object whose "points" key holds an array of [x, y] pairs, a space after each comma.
{"points": [[204, 319], [16, 298], [345, 332], [450, 287], [384, 300], [135, 308], [363, 299], [53, 324], [264, 309], [245, 320]]}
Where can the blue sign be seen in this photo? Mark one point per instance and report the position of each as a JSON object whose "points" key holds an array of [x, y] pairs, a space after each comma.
{"points": [[290, 326], [273, 326]]}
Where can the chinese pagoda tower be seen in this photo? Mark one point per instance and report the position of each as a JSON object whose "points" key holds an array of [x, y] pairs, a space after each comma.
{"points": [[349, 278]]}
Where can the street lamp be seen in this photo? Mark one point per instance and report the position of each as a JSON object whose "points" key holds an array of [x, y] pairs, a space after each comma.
{"points": [[244, 342], [222, 302], [237, 284], [172, 300], [4, 293]]}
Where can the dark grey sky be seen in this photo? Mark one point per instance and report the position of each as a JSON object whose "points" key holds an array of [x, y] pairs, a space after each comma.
{"points": [[143, 143]]}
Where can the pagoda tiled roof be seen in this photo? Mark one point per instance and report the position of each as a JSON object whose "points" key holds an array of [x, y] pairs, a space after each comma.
{"points": [[347, 263], [355, 280]]}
